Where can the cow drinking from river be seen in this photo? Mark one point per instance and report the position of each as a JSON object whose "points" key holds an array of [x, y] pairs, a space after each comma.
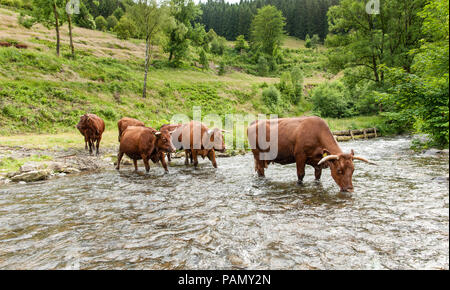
{"points": [[91, 127], [304, 140]]}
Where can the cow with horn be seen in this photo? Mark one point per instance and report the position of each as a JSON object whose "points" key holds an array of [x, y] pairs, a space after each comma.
{"points": [[304, 140]]}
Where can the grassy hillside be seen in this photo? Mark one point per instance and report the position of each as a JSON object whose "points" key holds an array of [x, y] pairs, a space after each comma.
{"points": [[41, 93]]}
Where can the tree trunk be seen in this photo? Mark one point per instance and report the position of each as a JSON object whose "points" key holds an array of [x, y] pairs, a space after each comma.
{"points": [[147, 63], [69, 20], [57, 28]]}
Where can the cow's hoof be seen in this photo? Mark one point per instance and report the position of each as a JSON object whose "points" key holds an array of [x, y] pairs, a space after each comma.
{"points": [[299, 182]]}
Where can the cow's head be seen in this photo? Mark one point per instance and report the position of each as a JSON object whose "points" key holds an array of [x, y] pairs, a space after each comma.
{"points": [[216, 139], [84, 122], [342, 168], [164, 141]]}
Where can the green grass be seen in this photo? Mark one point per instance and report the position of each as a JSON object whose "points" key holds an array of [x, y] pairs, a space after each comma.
{"points": [[10, 164]]}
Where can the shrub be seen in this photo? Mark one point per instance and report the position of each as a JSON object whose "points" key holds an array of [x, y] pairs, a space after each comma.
{"points": [[222, 68], [262, 66], [218, 45], [125, 28], [204, 59], [111, 22], [271, 97], [100, 23], [331, 100], [241, 44]]}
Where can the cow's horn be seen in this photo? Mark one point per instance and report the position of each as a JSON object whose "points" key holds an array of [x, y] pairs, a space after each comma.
{"points": [[329, 157], [224, 131], [157, 133], [363, 159]]}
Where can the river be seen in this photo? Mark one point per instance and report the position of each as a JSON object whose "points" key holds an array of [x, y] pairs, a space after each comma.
{"points": [[228, 218]]}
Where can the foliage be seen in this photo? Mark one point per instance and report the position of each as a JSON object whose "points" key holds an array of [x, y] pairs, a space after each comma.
{"points": [[218, 45], [233, 19], [111, 22], [263, 66], [271, 97], [268, 29], [100, 23], [331, 100], [182, 13], [241, 44], [204, 59], [125, 28]]}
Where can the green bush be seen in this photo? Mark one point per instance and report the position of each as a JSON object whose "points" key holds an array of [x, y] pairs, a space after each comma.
{"points": [[100, 23], [111, 22], [271, 97], [331, 100], [125, 28], [262, 66], [218, 45]]}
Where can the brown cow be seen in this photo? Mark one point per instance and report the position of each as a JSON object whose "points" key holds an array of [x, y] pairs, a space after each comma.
{"points": [[304, 140], [144, 143], [125, 122], [168, 128], [204, 144], [91, 127]]}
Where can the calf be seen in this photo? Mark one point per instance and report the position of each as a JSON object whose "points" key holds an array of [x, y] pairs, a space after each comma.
{"points": [[144, 143], [125, 122], [91, 127]]}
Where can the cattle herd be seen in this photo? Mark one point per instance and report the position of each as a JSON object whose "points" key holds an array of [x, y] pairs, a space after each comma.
{"points": [[303, 140]]}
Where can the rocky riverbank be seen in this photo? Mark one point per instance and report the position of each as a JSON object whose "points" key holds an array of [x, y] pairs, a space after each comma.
{"points": [[54, 163]]}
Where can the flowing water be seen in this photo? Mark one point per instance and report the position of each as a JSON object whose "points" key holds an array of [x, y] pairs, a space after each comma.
{"points": [[397, 218]]}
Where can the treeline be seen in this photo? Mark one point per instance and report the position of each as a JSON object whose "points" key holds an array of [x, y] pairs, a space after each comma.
{"points": [[303, 17]]}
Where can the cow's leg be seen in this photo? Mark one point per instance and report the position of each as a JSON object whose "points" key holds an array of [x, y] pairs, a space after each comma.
{"points": [[301, 162], [212, 157], [317, 173], [259, 165], [86, 143], [163, 161], [147, 165], [135, 164], [194, 157], [119, 158], [91, 144], [168, 157], [186, 153], [98, 144]]}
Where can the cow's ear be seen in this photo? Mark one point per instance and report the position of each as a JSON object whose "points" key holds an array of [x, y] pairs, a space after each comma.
{"points": [[325, 153]]}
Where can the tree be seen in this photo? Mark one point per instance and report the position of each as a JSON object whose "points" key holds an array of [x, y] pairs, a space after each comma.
{"points": [[315, 40], [182, 14], [268, 29], [204, 60], [84, 18], [69, 12], [100, 23], [361, 42], [148, 18], [51, 14], [125, 28], [241, 44], [308, 43], [111, 22]]}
